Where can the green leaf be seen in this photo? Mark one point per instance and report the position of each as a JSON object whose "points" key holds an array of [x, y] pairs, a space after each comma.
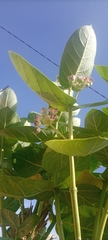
{"points": [[105, 110], [40, 84], [67, 223], [87, 195], [54, 162], [87, 178], [28, 225], [3, 238], [8, 99], [96, 120], [8, 117], [11, 204], [105, 174], [70, 236], [102, 156], [23, 133], [24, 122], [18, 187], [28, 161], [103, 72], [90, 105], [87, 211], [78, 56], [8, 145], [82, 163], [94, 163], [64, 175], [87, 227], [10, 218], [42, 234], [78, 147], [26, 134], [31, 116]]}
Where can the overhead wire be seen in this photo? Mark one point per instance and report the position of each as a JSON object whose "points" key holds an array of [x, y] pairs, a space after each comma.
{"points": [[29, 46], [42, 55]]}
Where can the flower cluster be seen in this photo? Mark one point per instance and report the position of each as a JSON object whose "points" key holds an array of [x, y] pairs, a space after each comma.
{"points": [[80, 82], [48, 116], [37, 122]]}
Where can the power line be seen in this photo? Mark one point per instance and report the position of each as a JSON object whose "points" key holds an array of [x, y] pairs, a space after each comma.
{"points": [[42, 55], [98, 93], [29, 46]]}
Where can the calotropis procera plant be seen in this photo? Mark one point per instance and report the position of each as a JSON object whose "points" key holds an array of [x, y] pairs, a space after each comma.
{"points": [[54, 161]]}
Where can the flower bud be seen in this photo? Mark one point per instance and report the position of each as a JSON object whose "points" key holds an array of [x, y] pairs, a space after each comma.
{"points": [[48, 116], [79, 82]]}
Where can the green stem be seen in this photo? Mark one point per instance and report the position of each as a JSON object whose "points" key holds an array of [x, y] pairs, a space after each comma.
{"points": [[1, 153], [36, 207], [22, 209], [58, 214], [49, 229], [16, 235], [103, 222], [98, 215], [3, 227], [3, 230], [40, 207], [58, 132], [73, 188], [76, 95]]}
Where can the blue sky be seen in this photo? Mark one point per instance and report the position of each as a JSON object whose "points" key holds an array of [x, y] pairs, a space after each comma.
{"points": [[46, 25]]}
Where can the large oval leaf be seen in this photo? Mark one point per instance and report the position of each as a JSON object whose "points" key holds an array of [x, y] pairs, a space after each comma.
{"points": [[82, 163], [54, 162], [40, 84], [88, 194], [23, 133], [10, 204], [96, 120], [8, 117], [10, 218], [28, 225], [8, 99], [102, 156], [18, 187], [27, 161], [78, 147], [87, 178], [103, 72], [26, 134], [78, 56]]}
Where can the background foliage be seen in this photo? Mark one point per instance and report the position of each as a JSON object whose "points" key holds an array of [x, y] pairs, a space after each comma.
{"points": [[36, 166]]}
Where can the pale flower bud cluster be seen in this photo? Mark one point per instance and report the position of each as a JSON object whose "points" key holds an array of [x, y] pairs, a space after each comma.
{"points": [[48, 116], [79, 82]]}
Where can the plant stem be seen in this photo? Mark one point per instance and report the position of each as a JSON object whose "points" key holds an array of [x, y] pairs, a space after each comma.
{"points": [[58, 132], [58, 214], [103, 221], [3, 230], [22, 209], [73, 188], [3, 227], [76, 95], [40, 207], [1, 153], [36, 207], [98, 215], [49, 229]]}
